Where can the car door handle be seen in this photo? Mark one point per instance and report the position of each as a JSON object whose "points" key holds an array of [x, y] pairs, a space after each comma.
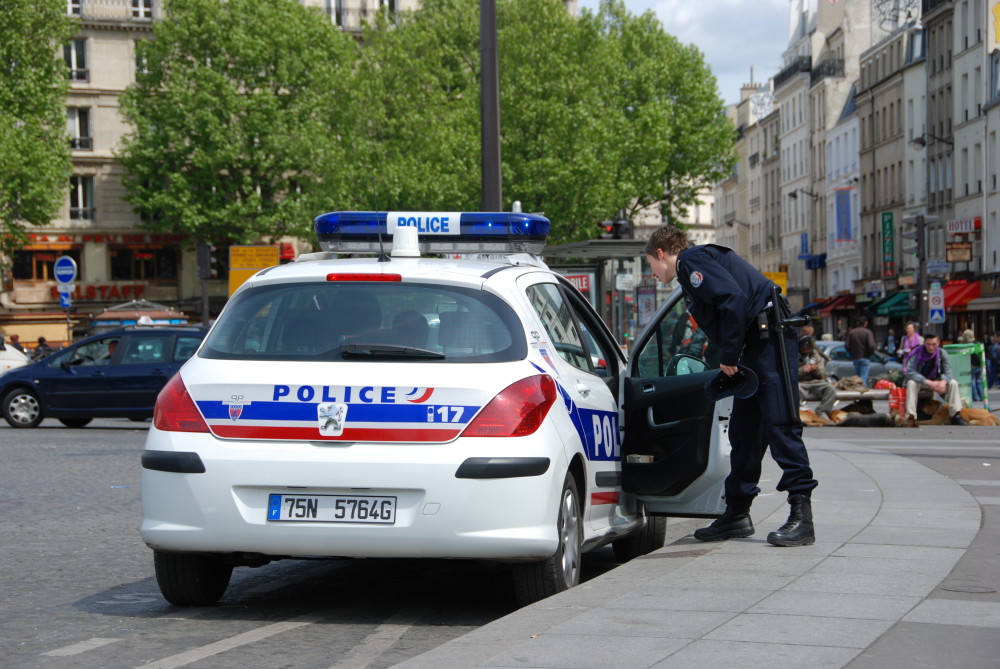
{"points": [[98, 373], [647, 388], [583, 389], [157, 371]]}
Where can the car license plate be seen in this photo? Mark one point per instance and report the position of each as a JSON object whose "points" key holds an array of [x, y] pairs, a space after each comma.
{"points": [[332, 508]]}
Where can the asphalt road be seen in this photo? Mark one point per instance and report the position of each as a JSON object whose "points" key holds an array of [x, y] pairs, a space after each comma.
{"points": [[77, 587]]}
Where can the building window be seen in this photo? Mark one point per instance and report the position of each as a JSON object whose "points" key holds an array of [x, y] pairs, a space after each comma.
{"points": [[75, 54], [32, 265], [78, 128], [81, 198], [142, 9], [143, 264], [73, 7]]}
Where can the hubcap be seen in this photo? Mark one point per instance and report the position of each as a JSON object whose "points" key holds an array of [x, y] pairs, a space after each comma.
{"points": [[570, 532], [24, 409]]}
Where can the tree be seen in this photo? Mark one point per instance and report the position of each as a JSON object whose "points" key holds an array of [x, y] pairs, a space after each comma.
{"points": [[668, 119], [34, 152], [241, 120], [603, 113]]}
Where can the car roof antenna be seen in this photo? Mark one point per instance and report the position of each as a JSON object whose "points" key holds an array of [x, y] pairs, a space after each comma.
{"points": [[382, 257]]}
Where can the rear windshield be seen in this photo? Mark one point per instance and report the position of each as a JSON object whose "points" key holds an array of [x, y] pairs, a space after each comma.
{"points": [[374, 321]]}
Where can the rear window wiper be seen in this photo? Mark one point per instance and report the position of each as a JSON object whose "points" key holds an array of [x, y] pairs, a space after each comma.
{"points": [[387, 351]]}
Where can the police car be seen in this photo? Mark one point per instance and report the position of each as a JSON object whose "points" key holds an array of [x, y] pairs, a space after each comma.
{"points": [[471, 405]]}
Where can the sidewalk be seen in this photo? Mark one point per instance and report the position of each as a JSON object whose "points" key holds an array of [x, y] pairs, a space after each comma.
{"points": [[889, 530]]}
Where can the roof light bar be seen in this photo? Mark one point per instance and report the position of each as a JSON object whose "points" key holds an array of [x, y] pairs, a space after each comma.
{"points": [[439, 232]]}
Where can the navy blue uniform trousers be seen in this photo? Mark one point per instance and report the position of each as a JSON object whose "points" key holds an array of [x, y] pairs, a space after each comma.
{"points": [[765, 420]]}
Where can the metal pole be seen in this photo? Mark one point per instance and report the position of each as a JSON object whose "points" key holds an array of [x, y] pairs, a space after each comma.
{"points": [[922, 284], [489, 63]]}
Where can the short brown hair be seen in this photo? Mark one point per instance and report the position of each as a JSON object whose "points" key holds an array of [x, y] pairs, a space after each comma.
{"points": [[672, 240]]}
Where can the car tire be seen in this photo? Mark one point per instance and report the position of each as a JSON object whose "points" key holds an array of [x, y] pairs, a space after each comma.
{"points": [[191, 580], [651, 537], [534, 581], [75, 422], [21, 408]]}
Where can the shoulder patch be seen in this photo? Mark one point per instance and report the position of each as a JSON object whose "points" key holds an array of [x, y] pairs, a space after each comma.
{"points": [[696, 279]]}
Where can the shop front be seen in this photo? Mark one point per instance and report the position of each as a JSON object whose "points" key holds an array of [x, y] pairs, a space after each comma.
{"points": [[112, 268]]}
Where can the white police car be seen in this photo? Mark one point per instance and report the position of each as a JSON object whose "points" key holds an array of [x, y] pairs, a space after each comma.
{"points": [[406, 406]]}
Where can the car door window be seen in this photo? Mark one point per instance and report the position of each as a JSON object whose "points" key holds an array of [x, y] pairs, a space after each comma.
{"points": [[99, 352], [185, 347], [677, 347], [145, 350], [558, 321]]}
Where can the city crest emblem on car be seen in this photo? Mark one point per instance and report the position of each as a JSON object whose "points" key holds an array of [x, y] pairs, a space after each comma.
{"points": [[236, 405], [331, 418]]}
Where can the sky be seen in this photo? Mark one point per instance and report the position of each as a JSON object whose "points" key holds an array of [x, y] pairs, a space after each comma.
{"points": [[733, 35]]}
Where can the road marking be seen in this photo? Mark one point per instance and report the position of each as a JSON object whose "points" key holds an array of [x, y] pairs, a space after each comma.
{"points": [[382, 639], [82, 647], [200, 653]]}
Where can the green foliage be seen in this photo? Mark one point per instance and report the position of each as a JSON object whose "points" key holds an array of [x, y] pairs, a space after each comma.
{"points": [[34, 151], [241, 120], [256, 115]]}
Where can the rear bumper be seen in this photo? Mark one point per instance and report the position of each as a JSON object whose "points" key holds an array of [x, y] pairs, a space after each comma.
{"points": [[503, 506]]}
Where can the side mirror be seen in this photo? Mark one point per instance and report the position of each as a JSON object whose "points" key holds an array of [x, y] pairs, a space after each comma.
{"points": [[682, 363]]}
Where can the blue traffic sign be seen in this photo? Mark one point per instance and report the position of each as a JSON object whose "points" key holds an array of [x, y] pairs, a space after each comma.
{"points": [[65, 269], [936, 316], [65, 300]]}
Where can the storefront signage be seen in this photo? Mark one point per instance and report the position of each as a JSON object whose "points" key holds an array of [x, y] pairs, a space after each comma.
{"points": [[83, 238], [103, 292], [965, 226], [888, 247], [958, 251]]}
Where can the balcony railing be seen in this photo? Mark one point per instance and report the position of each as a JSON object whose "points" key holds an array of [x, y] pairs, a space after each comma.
{"points": [[82, 213], [829, 67], [141, 11], [800, 64], [84, 143]]}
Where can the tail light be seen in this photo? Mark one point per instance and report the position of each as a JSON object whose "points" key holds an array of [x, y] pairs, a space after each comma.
{"points": [[517, 411], [175, 410]]}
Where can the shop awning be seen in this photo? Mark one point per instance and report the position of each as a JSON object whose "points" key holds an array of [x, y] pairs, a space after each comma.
{"points": [[897, 304], [812, 305], [991, 303], [839, 303], [957, 294]]}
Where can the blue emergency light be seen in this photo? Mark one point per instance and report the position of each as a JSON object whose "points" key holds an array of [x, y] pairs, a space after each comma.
{"points": [[437, 232]]}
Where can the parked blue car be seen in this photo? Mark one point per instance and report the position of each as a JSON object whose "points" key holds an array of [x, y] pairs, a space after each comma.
{"points": [[841, 367], [115, 374]]}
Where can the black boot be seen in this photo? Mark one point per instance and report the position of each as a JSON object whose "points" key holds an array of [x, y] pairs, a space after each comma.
{"points": [[735, 522], [798, 531]]}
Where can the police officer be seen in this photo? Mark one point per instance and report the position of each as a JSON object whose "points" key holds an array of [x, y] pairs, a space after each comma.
{"points": [[727, 297]]}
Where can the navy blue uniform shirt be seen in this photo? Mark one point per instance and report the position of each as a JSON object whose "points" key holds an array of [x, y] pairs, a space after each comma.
{"points": [[724, 294]]}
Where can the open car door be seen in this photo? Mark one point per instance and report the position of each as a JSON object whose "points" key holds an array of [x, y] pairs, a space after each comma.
{"points": [[675, 443]]}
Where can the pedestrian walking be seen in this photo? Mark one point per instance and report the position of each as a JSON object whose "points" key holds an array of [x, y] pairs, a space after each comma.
{"points": [[976, 368], [861, 345], [890, 346], [731, 300], [993, 361], [910, 343], [929, 368], [15, 342]]}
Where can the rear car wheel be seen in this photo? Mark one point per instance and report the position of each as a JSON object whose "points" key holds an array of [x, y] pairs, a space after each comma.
{"points": [[191, 580], [534, 581], [21, 408], [652, 536], [75, 422]]}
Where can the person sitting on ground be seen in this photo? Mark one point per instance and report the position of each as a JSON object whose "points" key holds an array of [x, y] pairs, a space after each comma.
{"points": [[929, 367], [813, 384]]}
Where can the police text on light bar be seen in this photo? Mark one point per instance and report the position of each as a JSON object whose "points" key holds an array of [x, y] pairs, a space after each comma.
{"points": [[439, 232]]}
